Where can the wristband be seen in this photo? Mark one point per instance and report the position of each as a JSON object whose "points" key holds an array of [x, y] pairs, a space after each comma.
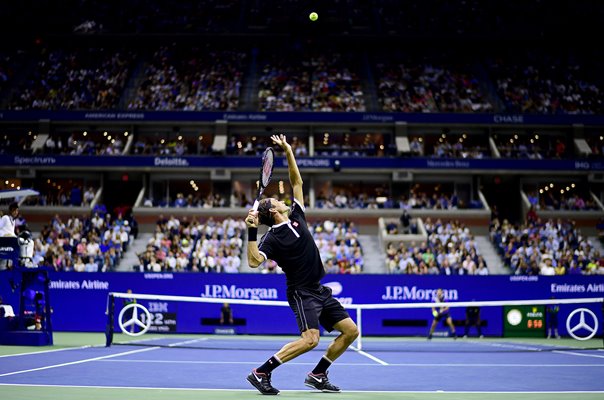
{"points": [[252, 234]]}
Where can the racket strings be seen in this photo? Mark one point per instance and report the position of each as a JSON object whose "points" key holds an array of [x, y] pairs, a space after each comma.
{"points": [[267, 168]]}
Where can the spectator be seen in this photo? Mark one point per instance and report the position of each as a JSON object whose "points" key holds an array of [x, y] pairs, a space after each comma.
{"points": [[406, 222], [7, 222], [531, 216]]}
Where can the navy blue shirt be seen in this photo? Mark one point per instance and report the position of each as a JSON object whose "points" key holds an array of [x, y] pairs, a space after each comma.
{"points": [[291, 245]]}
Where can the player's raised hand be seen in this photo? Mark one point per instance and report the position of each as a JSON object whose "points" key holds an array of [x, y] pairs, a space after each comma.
{"points": [[281, 141], [252, 219]]}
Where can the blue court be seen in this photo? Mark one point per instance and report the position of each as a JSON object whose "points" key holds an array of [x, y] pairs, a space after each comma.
{"points": [[398, 366]]}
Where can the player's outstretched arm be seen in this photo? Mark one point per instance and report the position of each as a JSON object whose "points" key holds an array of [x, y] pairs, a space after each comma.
{"points": [[254, 258], [295, 179]]}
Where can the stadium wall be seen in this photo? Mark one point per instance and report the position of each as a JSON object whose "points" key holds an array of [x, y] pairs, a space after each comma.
{"points": [[79, 301]]}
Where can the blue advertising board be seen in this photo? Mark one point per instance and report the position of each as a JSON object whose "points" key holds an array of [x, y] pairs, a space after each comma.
{"points": [[346, 163], [79, 300], [303, 117]]}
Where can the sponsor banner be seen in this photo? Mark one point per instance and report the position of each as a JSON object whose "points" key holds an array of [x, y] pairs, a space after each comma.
{"points": [[304, 117], [385, 163], [9, 249], [79, 300], [164, 315]]}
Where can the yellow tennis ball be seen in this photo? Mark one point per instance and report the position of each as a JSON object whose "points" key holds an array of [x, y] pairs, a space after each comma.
{"points": [[313, 16]]}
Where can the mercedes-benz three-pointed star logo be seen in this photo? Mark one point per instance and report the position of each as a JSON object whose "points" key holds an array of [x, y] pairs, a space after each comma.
{"points": [[134, 320], [587, 322]]}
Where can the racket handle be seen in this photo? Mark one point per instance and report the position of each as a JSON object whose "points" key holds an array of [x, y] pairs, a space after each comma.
{"points": [[255, 206]]}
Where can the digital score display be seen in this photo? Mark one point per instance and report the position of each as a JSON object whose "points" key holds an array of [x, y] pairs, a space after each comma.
{"points": [[163, 316], [524, 321]]}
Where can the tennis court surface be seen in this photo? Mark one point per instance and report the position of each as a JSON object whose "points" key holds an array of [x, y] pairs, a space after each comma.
{"points": [[195, 366]]}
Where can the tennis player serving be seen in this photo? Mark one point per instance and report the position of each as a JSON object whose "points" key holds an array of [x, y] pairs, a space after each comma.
{"points": [[290, 244]]}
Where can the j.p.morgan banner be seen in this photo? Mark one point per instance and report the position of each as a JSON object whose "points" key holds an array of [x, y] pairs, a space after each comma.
{"points": [[79, 300]]}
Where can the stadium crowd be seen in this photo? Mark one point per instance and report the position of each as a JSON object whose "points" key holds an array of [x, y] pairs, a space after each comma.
{"points": [[339, 246], [93, 243], [554, 200], [415, 200], [191, 79], [449, 145], [450, 250], [202, 78], [547, 86], [180, 244], [321, 82], [414, 86], [75, 79], [552, 247], [534, 146], [63, 194]]}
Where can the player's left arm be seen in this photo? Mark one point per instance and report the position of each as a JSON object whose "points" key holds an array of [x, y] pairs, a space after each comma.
{"points": [[295, 179], [254, 257]]}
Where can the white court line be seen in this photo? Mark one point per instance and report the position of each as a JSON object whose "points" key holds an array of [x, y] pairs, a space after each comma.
{"points": [[135, 342], [225, 362], [299, 391], [369, 356], [45, 351], [77, 362], [360, 364], [509, 346], [187, 342], [527, 346], [577, 354]]}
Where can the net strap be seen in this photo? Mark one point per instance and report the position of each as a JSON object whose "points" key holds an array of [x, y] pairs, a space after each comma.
{"points": [[382, 306]]}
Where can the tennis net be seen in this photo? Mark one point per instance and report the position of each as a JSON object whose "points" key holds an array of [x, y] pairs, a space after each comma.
{"points": [[212, 323]]}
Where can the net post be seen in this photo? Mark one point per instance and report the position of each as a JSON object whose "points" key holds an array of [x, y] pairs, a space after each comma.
{"points": [[110, 313], [359, 324]]}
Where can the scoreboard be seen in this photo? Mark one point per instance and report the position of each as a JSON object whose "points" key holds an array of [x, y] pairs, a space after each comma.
{"points": [[163, 316], [524, 321]]}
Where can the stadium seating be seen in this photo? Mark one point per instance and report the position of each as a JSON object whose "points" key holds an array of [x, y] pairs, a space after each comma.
{"points": [[92, 244], [545, 248]]}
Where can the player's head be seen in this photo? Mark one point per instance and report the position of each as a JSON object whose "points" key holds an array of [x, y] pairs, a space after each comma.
{"points": [[265, 216], [268, 210], [13, 209], [439, 293]]}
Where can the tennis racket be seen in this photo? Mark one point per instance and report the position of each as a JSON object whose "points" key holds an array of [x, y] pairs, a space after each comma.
{"points": [[266, 172]]}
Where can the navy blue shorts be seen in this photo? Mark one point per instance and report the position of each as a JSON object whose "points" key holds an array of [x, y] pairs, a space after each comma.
{"points": [[316, 307], [442, 316]]}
